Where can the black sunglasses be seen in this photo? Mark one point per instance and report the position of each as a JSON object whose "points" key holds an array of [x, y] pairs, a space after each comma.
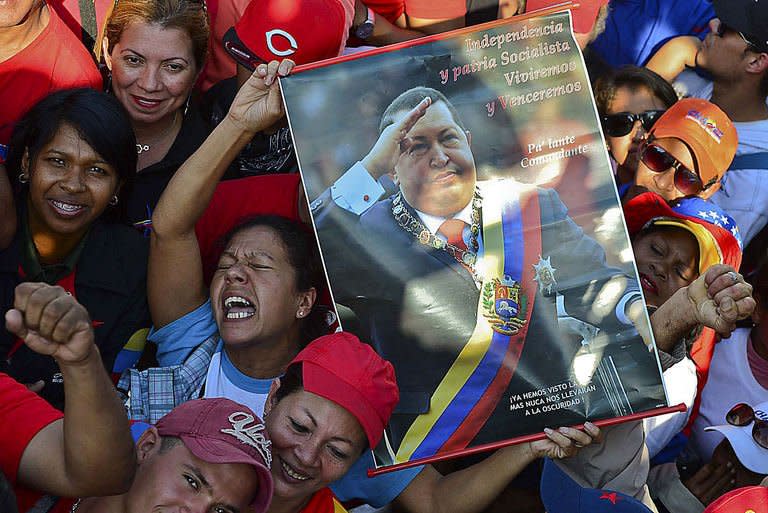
{"points": [[658, 160], [724, 28], [620, 124], [741, 415]]}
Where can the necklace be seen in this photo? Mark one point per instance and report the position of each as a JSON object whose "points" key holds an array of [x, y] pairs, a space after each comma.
{"points": [[415, 227], [75, 506], [141, 148]]}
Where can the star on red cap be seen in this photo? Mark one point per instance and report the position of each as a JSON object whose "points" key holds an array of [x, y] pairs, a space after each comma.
{"points": [[610, 496]]}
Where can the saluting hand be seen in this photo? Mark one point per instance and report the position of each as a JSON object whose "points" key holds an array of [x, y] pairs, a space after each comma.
{"points": [[393, 141], [259, 102], [51, 322]]}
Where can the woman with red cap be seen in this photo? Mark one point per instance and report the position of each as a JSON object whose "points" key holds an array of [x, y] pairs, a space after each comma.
{"points": [[332, 403]]}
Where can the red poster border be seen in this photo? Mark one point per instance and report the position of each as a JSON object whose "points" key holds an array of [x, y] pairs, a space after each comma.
{"points": [[518, 440]]}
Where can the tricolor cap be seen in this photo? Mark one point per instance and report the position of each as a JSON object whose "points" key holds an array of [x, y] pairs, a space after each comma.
{"points": [[348, 372], [301, 30], [750, 17], [750, 499], [223, 431], [715, 231], [706, 130], [747, 450], [561, 494], [584, 16]]}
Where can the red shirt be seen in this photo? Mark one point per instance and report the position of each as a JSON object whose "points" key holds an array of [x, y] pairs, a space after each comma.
{"points": [[389, 9], [323, 501], [55, 60], [431, 10], [69, 12], [22, 415], [236, 200]]}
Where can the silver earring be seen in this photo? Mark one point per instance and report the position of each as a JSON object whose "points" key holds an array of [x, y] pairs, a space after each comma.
{"points": [[23, 178], [186, 105], [114, 200]]}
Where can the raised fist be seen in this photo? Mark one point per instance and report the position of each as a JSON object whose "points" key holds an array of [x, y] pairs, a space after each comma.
{"points": [[51, 322]]}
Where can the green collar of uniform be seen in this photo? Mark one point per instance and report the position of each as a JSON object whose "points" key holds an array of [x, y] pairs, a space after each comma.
{"points": [[30, 259]]}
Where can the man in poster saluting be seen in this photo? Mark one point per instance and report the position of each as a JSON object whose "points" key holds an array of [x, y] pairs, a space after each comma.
{"points": [[455, 280]]}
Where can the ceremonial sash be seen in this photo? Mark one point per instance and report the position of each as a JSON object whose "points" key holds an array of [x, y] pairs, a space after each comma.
{"points": [[473, 386]]}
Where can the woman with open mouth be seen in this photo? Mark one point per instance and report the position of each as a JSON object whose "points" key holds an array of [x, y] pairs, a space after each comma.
{"points": [[71, 154]]}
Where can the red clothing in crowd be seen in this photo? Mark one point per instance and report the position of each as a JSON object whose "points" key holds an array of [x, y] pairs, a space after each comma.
{"points": [[55, 60], [71, 14], [389, 9], [431, 10], [22, 415], [323, 501]]}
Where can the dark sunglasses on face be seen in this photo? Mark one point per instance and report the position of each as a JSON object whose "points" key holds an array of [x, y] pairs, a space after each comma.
{"points": [[658, 160], [722, 29], [741, 415], [620, 124]]}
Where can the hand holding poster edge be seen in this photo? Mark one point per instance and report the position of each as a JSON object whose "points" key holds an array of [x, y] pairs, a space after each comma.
{"points": [[678, 408]]}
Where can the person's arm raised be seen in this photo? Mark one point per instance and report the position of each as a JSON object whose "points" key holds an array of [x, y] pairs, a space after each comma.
{"points": [[175, 275], [91, 451], [676, 55]]}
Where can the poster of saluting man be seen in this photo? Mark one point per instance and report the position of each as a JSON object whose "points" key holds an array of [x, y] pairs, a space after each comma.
{"points": [[471, 232]]}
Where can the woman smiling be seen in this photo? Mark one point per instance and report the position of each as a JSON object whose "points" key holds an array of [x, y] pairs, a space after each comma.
{"points": [[155, 50], [71, 154]]}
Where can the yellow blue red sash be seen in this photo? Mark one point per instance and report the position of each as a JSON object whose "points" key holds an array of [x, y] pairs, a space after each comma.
{"points": [[472, 387]]}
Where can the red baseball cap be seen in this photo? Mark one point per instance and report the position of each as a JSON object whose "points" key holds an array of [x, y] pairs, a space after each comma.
{"points": [[584, 16], [223, 431], [348, 372], [301, 30], [752, 499]]}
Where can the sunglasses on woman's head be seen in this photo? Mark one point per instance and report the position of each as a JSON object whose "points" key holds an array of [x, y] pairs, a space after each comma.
{"points": [[658, 160], [741, 415], [620, 124]]}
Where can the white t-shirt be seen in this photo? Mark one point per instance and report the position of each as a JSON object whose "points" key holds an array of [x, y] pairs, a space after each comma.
{"points": [[225, 380], [730, 382]]}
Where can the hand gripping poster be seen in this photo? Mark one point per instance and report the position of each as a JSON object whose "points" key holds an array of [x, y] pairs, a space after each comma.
{"points": [[471, 232]]}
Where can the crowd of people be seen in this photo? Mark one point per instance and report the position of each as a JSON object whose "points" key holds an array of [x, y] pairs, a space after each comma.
{"points": [[170, 340]]}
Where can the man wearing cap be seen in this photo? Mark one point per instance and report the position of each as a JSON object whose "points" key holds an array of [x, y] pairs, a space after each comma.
{"points": [[735, 56], [206, 455]]}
